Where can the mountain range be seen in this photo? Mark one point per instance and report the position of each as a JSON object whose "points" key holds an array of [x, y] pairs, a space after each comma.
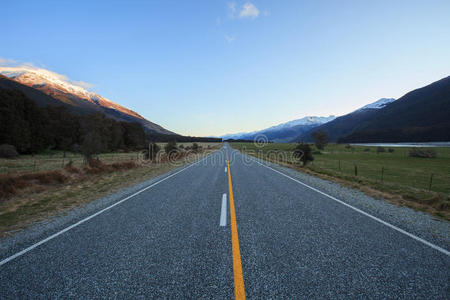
{"points": [[422, 115], [302, 129], [345, 125], [284, 132], [48, 88]]}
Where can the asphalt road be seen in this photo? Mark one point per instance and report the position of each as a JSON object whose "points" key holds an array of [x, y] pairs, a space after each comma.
{"points": [[167, 242]]}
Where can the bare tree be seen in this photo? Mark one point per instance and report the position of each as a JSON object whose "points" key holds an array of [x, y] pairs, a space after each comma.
{"points": [[320, 138]]}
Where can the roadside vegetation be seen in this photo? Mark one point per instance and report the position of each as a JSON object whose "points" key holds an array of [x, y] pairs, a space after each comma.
{"points": [[34, 187], [417, 178]]}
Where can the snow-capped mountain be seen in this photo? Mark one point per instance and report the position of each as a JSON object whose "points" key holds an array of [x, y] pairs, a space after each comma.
{"points": [[283, 132], [378, 104], [310, 120], [42, 79], [75, 94]]}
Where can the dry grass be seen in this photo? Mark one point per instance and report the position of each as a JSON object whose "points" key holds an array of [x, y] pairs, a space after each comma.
{"points": [[55, 160], [37, 196]]}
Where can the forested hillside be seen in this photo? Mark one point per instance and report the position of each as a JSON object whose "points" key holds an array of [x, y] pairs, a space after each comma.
{"points": [[32, 129]]}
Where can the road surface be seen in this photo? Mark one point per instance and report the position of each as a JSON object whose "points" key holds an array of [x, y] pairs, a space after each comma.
{"points": [[214, 230]]}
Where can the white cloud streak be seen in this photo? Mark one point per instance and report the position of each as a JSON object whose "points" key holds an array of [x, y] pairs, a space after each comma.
{"points": [[249, 11], [7, 62]]}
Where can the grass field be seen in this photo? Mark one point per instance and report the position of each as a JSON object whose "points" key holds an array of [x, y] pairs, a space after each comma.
{"points": [[54, 160], [402, 175]]}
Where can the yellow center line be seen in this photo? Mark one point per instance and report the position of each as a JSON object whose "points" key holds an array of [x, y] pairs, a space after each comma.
{"points": [[239, 289]]}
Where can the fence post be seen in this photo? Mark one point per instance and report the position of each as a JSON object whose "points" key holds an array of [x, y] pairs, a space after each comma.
{"points": [[356, 168], [382, 174], [431, 181]]}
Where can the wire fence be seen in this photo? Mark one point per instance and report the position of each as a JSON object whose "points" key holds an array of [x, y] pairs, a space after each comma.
{"points": [[386, 174], [39, 163], [378, 172]]}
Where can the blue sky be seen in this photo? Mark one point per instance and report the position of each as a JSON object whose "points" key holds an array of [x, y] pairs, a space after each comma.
{"points": [[215, 67]]}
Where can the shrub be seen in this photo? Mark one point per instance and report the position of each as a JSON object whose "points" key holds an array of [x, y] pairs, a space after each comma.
{"points": [[9, 184], [303, 153], [45, 177], [348, 146], [126, 165], [422, 153], [380, 150], [390, 150], [195, 147], [170, 147], [172, 150], [71, 168], [367, 150], [8, 151]]}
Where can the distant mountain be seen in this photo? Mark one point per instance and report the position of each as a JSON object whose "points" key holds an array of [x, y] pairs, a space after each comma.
{"points": [[422, 115], [345, 125], [283, 132], [70, 94]]}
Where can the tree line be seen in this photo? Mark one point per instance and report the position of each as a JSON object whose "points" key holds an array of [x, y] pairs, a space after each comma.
{"points": [[32, 129]]}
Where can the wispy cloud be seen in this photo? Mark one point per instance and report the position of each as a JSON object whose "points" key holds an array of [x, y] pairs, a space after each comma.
{"points": [[4, 62], [11, 65], [229, 38], [85, 85], [232, 8], [249, 11]]}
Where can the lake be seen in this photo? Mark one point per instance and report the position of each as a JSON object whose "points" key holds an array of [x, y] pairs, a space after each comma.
{"points": [[430, 144]]}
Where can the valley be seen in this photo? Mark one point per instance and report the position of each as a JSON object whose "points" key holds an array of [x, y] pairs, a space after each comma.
{"points": [[233, 149]]}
